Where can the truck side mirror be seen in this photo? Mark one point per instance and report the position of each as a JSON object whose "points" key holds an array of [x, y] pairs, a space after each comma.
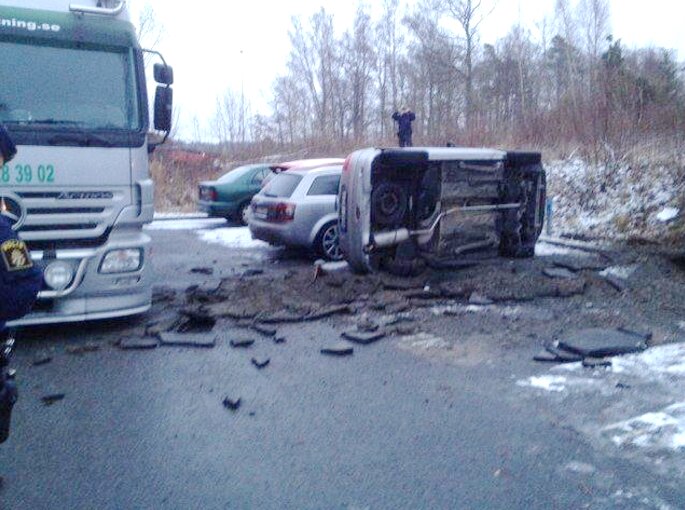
{"points": [[163, 74], [164, 97]]}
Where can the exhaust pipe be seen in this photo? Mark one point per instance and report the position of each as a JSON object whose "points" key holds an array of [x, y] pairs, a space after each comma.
{"points": [[394, 237]]}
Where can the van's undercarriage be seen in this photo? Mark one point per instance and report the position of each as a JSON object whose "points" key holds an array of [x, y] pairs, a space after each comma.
{"points": [[433, 212]]}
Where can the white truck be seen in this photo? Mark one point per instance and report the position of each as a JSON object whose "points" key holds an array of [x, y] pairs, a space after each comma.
{"points": [[74, 98]]}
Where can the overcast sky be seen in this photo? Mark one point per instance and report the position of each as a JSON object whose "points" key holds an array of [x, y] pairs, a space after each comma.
{"points": [[214, 45]]}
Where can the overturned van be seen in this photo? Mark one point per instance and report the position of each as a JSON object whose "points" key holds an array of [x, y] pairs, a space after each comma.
{"points": [[402, 208]]}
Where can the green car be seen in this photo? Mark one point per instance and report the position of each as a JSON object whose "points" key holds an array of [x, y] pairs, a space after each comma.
{"points": [[229, 196]]}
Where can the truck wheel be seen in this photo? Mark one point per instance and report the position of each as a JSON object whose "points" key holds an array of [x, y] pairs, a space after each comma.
{"points": [[327, 242], [389, 203]]}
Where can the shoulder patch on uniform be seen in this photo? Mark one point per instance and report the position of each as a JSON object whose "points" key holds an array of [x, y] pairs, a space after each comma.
{"points": [[15, 255]]}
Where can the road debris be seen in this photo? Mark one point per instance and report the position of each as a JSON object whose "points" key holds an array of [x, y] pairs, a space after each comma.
{"points": [[279, 339], [197, 340], [592, 346], [264, 329], [241, 343], [203, 270], [260, 362], [138, 344], [231, 403], [363, 337], [340, 349], [79, 350], [41, 359], [559, 272], [48, 400]]}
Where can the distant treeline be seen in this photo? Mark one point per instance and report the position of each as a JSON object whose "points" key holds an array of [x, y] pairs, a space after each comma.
{"points": [[567, 84]]}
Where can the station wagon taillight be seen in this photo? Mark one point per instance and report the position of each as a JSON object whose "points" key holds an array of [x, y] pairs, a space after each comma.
{"points": [[281, 212]]}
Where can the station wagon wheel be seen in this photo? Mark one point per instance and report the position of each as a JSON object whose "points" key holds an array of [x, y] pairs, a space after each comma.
{"points": [[243, 213], [327, 242]]}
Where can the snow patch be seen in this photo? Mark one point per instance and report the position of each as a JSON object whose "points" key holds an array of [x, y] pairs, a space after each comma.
{"points": [[185, 224], [668, 214], [622, 272], [543, 249], [546, 382], [236, 237], [663, 429]]}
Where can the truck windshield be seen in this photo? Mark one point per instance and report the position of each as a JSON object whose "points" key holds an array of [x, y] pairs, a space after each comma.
{"points": [[86, 88]]}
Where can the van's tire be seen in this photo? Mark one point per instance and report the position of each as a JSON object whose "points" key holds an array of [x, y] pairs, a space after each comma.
{"points": [[327, 242], [389, 204], [520, 228]]}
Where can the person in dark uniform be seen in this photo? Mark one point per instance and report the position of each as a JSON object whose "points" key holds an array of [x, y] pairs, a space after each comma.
{"points": [[404, 118], [20, 282]]}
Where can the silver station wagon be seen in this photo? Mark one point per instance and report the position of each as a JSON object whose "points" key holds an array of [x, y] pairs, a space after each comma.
{"points": [[297, 208]]}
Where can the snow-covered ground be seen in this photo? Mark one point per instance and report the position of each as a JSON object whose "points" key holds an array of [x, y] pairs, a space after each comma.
{"points": [[650, 426], [614, 201], [185, 224], [232, 237]]}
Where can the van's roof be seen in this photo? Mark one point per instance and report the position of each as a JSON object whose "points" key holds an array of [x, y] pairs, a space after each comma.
{"points": [[306, 163], [453, 153]]}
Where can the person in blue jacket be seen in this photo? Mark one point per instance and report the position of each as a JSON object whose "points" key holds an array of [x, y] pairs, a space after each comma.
{"points": [[404, 118], [20, 282]]}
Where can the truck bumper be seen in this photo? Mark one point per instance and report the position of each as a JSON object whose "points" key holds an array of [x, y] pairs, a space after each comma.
{"points": [[94, 295]]}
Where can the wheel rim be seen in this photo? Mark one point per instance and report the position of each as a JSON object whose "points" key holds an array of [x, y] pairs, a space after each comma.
{"points": [[244, 213], [329, 243]]}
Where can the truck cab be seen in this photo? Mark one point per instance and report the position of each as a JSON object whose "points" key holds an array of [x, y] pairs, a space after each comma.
{"points": [[400, 209], [74, 99]]}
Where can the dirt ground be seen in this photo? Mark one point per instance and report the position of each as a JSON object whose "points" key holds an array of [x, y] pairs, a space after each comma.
{"points": [[465, 315]]}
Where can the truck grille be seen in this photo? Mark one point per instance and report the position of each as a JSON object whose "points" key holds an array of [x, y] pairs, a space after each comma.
{"points": [[58, 219]]}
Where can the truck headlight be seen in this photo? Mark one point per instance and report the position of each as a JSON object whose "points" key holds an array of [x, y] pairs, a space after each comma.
{"points": [[122, 261], [58, 275]]}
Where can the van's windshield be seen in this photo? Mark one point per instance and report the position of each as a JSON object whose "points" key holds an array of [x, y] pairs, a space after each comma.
{"points": [[53, 86]]}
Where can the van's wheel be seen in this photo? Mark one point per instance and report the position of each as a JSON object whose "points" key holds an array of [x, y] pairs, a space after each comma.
{"points": [[327, 242], [520, 228], [389, 203], [243, 212]]}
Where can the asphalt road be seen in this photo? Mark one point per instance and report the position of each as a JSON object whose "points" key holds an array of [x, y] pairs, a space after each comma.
{"points": [[386, 428]]}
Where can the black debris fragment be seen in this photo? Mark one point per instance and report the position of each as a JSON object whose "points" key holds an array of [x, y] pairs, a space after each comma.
{"points": [[196, 322], [617, 283], [561, 354], [603, 342], [363, 337], [137, 344], [623, 386], [596, 362], [279, 339], [41, 360], [198, 340], [340, 349], [203, 270], [261, 362], [232, 404], [264, 329], [241, 342], [559, 272], [252, 272], [48, 400]]}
